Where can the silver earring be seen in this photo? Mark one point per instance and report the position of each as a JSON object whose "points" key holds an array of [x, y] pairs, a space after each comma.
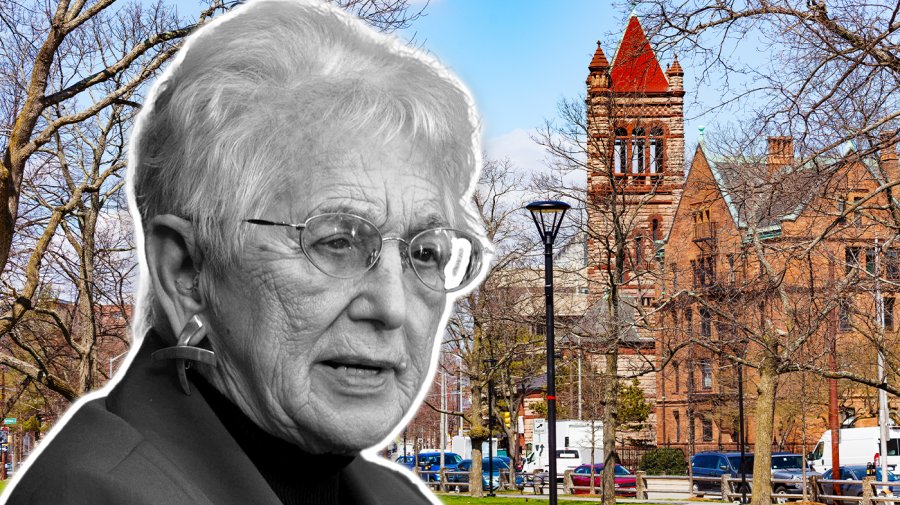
{"points": [[183, 353]]}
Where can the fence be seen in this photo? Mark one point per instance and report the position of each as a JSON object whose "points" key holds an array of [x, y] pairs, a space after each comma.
{"points": [[630, 457], [817, 489]]}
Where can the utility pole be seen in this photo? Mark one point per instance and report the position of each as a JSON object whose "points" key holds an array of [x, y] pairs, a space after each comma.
{"points": [[460, 399], [443, 416], [3, 403], [882, 378], [833, 422], [579, 381]]}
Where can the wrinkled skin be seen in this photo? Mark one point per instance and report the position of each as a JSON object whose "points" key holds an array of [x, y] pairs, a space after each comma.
{"points": [[287, 335]]}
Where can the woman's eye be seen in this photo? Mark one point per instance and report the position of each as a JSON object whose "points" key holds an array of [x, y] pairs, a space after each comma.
{"points": [[336, 243], [425, 255]]}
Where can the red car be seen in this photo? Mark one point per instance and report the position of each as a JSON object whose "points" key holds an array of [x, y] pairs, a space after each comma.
{"points": [[625, 480]]}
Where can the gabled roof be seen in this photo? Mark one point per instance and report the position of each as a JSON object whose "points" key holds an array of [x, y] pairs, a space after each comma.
{"points": [[635, 68], [735, 179], [596, 322]]}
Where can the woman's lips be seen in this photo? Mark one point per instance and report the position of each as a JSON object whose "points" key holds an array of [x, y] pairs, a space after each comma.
{"points": [[356, 377]]}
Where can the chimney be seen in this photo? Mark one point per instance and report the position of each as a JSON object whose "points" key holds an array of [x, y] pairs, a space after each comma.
{"points": [[781, 152], [888, 157]]}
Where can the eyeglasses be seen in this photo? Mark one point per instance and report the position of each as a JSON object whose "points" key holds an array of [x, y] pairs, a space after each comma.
{"points": [[346, 246]]}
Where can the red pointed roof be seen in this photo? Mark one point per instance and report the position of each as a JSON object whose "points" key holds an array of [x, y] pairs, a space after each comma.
{"points": [[599, 62], [635, 68]]}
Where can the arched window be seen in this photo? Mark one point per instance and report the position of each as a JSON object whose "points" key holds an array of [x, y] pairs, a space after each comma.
{"points": [[638, 138], [620, 150], [655, 154], [654, 230]]}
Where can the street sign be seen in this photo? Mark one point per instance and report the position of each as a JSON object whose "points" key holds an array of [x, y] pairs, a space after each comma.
{"points": [[9, 420]]}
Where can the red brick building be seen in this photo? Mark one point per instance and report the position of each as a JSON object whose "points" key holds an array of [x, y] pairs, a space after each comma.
{"points": [[689, 247]]}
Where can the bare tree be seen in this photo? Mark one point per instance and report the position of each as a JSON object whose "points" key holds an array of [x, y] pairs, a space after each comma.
{"points": [[488, 322], [824, 73], [385, 15], [73, 77]]}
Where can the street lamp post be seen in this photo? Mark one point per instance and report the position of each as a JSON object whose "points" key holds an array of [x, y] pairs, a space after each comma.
{"points": [[741, 434], [490, 362], [547, 217]]}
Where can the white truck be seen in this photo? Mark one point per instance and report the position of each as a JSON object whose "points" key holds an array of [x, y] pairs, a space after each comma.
{"points": [[574, 441], [858, 446], [463, 447]]}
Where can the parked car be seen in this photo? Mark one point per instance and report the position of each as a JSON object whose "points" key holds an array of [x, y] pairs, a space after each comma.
{"points": [[625, 481], [406, 461], [857, 473], [785, 465], [499, 463], [431, 462]]}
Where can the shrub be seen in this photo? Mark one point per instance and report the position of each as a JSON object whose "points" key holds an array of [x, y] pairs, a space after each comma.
{"points": [[663, 460]]}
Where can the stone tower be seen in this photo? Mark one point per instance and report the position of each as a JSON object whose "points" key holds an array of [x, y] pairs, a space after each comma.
{"points": [[635, 123]]}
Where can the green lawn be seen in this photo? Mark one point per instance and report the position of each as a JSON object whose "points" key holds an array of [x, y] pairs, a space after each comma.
{"points": [[501, 500], [3, 485]]}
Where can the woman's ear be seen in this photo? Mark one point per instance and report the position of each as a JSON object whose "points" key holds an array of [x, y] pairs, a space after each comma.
{"points": [[174, 262]]}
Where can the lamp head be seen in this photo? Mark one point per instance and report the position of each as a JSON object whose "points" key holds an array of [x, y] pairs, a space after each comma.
{"points": [[547, 217]]}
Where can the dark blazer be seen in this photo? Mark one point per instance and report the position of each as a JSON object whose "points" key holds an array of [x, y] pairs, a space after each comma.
{"points": [[147, 442]]}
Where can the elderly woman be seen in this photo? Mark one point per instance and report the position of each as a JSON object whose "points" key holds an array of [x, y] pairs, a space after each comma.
{"points": [[301, 184]]}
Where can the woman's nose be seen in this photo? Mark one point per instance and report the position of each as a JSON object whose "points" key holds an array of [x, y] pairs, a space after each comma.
{"points": [[382, 292]]}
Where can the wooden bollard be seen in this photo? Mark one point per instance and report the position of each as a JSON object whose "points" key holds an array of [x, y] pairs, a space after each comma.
{"points": [[444, 479], [867, 490], [567, 482], [640, 485], [726, 486]]}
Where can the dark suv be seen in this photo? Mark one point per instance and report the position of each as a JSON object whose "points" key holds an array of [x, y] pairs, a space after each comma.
{"points": [[785, 465]]}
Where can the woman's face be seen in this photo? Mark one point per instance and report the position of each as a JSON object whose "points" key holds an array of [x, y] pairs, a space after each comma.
{"points": [[330, 364]]}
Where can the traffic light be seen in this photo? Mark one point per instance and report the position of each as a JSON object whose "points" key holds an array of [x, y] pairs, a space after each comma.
{"points": [[4, 436], [506, 419]]}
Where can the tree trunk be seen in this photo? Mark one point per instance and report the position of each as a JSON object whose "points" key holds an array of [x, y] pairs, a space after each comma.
{"points": [[610, 422], [765, 421], [479, 435], [88, 321], [593, 449]]}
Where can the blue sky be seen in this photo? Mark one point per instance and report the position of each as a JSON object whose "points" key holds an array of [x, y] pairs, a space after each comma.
{"points": [[518, 58]]}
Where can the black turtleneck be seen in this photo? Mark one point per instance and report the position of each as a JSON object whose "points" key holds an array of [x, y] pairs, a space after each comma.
{"points": [[297, 477]]}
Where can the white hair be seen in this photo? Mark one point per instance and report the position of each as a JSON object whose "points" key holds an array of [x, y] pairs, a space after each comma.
{"points": [[256, 92]]}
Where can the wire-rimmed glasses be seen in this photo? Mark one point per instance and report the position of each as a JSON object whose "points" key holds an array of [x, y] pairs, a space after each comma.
{"points": [[346, 246]]}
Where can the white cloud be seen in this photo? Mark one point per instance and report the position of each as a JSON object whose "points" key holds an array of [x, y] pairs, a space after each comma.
{"points": [[527, 154], [519, 147]]}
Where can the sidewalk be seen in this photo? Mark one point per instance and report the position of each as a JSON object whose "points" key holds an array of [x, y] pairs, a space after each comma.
{"points": [[597, 499]]}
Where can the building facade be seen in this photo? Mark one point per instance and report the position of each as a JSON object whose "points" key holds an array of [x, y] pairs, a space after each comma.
{"points": [[749, 255]]}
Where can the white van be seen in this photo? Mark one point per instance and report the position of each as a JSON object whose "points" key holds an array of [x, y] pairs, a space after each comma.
{"points": [[858, 446]]}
